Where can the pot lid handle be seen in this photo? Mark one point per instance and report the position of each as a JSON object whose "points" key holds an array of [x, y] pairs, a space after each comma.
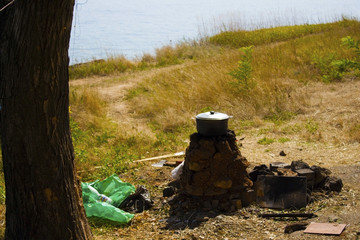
{"points": [[212, 115]]}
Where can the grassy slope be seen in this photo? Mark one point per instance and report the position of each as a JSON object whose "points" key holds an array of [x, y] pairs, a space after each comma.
{"points": [[171, 98], [167, 101]]}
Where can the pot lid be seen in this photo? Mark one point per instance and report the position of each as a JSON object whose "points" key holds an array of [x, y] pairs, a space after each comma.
{"points": [[212, 116]]}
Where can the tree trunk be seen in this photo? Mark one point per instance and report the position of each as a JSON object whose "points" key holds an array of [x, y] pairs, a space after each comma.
{"points": [[43, 196]]}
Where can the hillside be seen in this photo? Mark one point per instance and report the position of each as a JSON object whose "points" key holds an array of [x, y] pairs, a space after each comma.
{"points": [[317, 136], [292, 89]]}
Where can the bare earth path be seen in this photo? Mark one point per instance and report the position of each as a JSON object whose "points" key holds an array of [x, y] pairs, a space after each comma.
{"points": [[114, 89], [318, 136]]}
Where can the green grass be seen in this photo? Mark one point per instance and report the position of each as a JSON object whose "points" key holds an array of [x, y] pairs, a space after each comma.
{"points": [[266, 141], [102, 147], [241, 38], [312, 127], [283, 140], [100, 150]]}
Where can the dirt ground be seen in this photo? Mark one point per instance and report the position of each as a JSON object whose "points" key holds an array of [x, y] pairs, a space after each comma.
{"points": [[330, 109]]}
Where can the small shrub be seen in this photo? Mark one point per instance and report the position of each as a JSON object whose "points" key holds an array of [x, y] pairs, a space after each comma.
{"points": [[329, 68], [350, 43], [243, 73]]}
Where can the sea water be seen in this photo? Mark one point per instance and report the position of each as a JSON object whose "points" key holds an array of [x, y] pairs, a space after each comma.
{"points": [[107, 28]]}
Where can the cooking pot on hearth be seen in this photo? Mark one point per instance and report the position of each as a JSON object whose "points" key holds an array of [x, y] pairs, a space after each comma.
{"points": [[211, 124]]}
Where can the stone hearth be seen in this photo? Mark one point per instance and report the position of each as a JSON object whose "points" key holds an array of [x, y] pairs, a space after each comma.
{"points": [[214, 166]]}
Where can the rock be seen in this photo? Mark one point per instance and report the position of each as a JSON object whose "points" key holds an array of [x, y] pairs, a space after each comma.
{"points": [[309, 174], [224, 206], [290, 228], [247, 197], [169, 191], [333, 219], [333, 184], [285, 172], [236, 203], [195, 166], [215, 203], [207, 204], [320, 175], [282, 153], [201, 218], [175, 184], [300, 164], [259, 170], [224, 184]]}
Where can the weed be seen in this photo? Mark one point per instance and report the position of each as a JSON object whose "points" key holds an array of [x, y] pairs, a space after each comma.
{"points": [[263, 131], [291, 129], [313, 132], [283, 140], [311, 127], [266, 141], [132, 93], [279, 117]]}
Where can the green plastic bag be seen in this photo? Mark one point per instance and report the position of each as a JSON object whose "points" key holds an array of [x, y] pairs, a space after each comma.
{"points": [[115, 189]]}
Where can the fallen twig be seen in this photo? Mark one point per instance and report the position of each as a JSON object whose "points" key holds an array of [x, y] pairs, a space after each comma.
{"points": [[271, 215]]}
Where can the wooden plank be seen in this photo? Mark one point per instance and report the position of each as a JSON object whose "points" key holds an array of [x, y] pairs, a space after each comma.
{"points": [[178, 154], [325, 228]]}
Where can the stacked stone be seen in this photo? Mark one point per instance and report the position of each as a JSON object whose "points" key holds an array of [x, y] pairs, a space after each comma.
{"points": [[214, 166]]}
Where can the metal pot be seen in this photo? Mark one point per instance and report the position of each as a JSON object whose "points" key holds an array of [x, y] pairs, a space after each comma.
{"points": [[211, 124]]}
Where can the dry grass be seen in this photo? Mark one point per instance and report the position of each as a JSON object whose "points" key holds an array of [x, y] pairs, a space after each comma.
{"points": [[172, 97], [112, 65], [354, 131]]}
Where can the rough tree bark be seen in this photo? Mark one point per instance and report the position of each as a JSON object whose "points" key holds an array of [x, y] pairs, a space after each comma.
{"points": [[43, 199]]}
